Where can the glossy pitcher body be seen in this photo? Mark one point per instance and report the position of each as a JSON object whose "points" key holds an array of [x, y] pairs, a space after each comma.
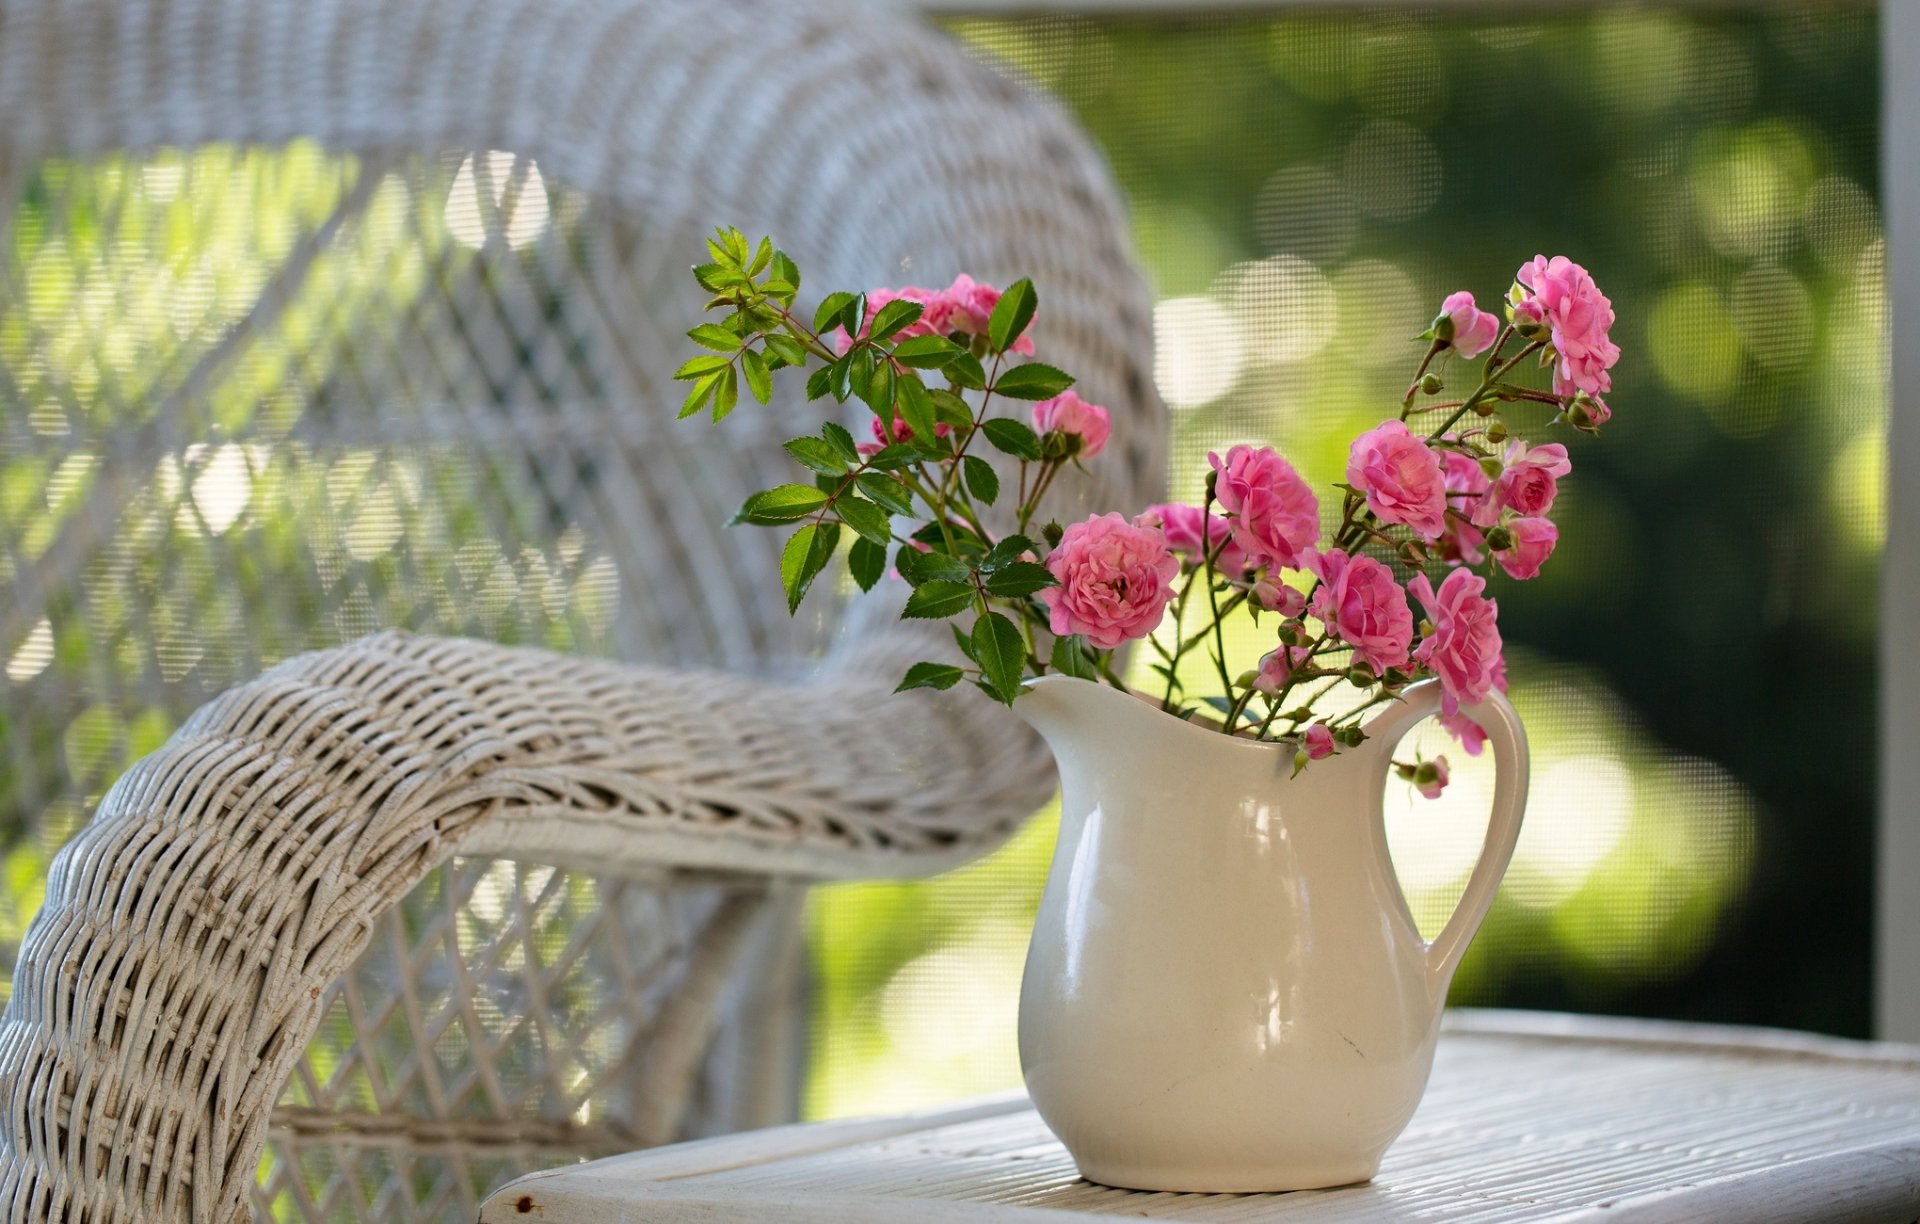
{"points": [[1225, 991]]}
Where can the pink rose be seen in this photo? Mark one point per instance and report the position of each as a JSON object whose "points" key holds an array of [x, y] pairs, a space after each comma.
{"points": [[1578, 316], [1181, 525], [1464, 648], [1588, 413], [1068, 414], [1462, 544], [1364, 607], [1275, 517], [901, 432], [1278, 597], [1528, 482], [966, 306], [1472, 735], [1318, 741], [1474, 329], [1277, 665], [1402, 478], [1115, 581], [1533, 541], [1431, 777], [878, 298]]}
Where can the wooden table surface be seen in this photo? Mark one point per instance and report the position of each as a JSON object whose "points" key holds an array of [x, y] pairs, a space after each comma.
{"points": [[1529, 1116]]}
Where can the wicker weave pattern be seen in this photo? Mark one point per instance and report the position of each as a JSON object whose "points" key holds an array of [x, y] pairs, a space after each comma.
{"points": [[468, 436]]}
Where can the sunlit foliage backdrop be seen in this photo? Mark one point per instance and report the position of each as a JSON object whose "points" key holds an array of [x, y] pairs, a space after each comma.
{"points": [[1305, 184]]}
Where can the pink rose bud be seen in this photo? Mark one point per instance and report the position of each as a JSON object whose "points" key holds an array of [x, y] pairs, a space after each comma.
{"points": [[1577, 316], [1473, 329], [1115, 581], [1275, 516], [1471, 735], [1278, 597], [1533, 541], [1364, 607], [1464, 648], [1402, 478], [1277, 665], [1318, 742], [1528, 482], [1430, 777], [1066, 413]]}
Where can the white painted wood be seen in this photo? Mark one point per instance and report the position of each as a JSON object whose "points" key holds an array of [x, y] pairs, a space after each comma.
{"points": [[1897, 963], [1528, 1117]]}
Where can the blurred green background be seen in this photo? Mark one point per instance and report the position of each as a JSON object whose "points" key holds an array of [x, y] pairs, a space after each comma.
{"points": [[1696, 666]]}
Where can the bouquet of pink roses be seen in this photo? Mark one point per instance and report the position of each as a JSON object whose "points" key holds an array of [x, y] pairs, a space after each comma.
{"points": [[1441, 493]]}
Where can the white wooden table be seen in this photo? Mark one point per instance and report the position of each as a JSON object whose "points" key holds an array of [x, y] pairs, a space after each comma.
{"points": [[1528, 1117]]}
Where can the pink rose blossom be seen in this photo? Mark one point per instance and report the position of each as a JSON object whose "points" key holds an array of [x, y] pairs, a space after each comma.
{"points": [[1115, 581], [901, 432], [1463, 544], [1363, 606], [1181, 524], [1533, 541], [1275, 596], [1275, 517], [1464, 648], [1402, 478], [1067, 413], [1578, 316], [1472, 735], [1277, 665], [1474, 329], [1435, 777], [966, 306], [1528, 482], [1318, 742]]}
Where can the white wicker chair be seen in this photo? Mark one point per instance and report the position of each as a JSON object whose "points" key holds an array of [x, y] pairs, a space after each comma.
{"points": [[319, 316]]}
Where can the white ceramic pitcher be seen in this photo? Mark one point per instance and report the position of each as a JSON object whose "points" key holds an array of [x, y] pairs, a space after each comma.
{"points": [[1225, 991]]}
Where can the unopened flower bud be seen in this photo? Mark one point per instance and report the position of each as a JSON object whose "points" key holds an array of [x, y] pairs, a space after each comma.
{"points": [[1485, 408], [1499, 539], [1052, 532], [1351, 737], [1497, 432], [1301, 714], [1442, 328], [1290, 633], [1246, 679], [1431, 384], [1361, 675]]}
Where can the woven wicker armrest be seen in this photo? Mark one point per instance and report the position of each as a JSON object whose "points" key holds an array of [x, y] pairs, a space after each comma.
{"points": [[177, 970]]}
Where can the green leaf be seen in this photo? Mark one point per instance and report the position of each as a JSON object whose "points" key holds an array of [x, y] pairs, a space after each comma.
{"points": [[893, 457], [1070, 657], [785, 270], [726, 394], [781, 504], [892, 496], [936, 599], [786, 350], [965, 542], [921, 567], [820, 383], [1032, 381], [816, 454], [841, 374], [761, 257], [867, 561], [1019, 579], [1012, 437], [806, 554], [931, 675], [699, 367], [710, 276], [1006, 551], [878, 392], [1011, 314], [759, 380], [1002, 655], [714, 336], [982, 481], [841, 441], [894, 316], [950, 409], [853, 316], [926, 352], [823, 318], [866, 518], [965, 370], [964, 642], [916, 408], [698, 395]]}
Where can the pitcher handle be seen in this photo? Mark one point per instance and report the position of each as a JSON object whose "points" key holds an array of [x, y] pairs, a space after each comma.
{"points": [[1509, 743]]}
